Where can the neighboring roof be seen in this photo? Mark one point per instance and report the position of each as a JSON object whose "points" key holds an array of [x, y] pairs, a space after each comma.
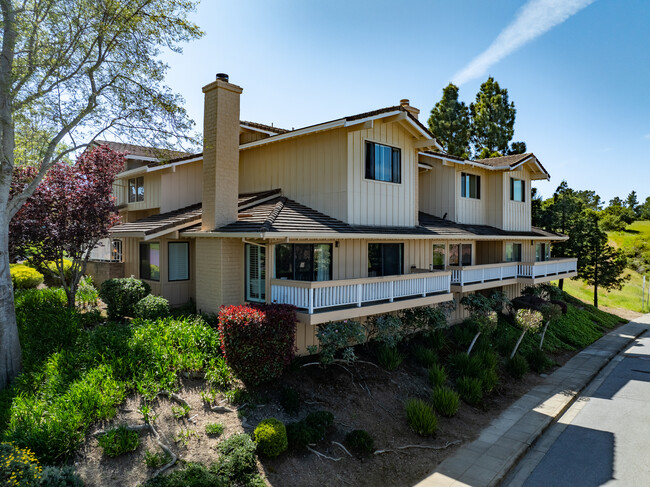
{"points": [[251, 199], [261, 126], [162, 222], [501, 162], [282, 215], [142, 151]]}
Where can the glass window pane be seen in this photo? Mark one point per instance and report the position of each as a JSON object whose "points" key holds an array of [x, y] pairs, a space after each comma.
{"points": [[392, 259], [453, 254], [322, 262], [284, 261], [509, 256], [303, 265], [467, 254], [255, 273], [179, 261], [438, 261], [140, 186], [150, 261], [374, 260], [132, 191]]}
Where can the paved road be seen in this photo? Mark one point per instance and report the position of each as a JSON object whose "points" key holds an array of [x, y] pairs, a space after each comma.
{"points": [[604, 438]]}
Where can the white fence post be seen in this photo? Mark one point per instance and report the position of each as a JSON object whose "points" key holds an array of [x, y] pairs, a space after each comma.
{"points": [[359, 295], [311, 300]]}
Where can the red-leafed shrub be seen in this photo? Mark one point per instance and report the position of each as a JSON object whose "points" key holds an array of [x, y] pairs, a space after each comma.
{"points": [[258, 340]]}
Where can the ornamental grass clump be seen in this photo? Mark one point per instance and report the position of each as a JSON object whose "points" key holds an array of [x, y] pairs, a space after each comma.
{"points": [[271, 437], [119, 441], [437, 375], [389, 357], [517, 366], [445, 400], [471, 390], [420, 417], [426, 357], [258, 340]]}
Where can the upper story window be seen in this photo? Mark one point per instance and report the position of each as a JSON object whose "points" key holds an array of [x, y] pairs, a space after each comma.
{"points": [[542, 252], [513, 252], [383, 163], [136, 189], [438, 260], [385, 259], [517, 190], [470, 186], [303, 262], [460, 254]]}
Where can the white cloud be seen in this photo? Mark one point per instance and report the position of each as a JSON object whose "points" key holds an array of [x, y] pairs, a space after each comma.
{"points": [[533, 19]]}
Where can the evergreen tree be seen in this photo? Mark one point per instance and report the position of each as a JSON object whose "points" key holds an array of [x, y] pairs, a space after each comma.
{"points": [[492, 119], [632, 203], [449, 122], [517, 148]]}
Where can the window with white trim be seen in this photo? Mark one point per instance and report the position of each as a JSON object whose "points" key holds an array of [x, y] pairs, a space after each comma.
{"points": [[438, 259], [460, 254], [136, 189], [517, 190], [383, 163], [470, 185], [255, 273], [178, 261]]}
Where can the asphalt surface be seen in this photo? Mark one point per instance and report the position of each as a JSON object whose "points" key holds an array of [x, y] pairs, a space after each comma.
{"points": [[604, 438]]}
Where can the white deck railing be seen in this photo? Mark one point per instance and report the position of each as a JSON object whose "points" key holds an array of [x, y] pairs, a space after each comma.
{"points": [[357, 292], [461, 276]]}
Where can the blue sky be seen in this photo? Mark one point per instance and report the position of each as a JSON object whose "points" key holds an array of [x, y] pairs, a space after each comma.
{"points": [[581, 89]]}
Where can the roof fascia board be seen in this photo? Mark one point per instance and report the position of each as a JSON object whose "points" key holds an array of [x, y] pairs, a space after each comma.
{"points": [[257, 129], [147, 169], [533, 159], [365, 236], [141, 158], [294, 133], [350, 123], [171, 230]]}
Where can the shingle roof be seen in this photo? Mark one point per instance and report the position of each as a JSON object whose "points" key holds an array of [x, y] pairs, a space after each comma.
{"points": [[160, 222], [511, 160], [262, 126], [283, 215], [143, 151]]}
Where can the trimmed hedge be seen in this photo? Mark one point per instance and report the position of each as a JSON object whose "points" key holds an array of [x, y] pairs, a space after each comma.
{"points": [[121, 295], [258, 340], [271, 437], [151, 307], [24, 277]]}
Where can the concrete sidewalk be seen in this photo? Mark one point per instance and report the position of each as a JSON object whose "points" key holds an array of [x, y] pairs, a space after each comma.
{"points": [[487, 460]]}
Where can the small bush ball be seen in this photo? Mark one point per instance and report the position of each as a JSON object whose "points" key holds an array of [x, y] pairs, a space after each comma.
{"points": [[271, 437]]}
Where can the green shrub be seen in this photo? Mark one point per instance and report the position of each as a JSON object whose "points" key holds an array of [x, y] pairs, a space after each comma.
{"points": [[271, 437], [51, 272], [466, 366], [151, 307], [445, 400], [60, 477], [517, 366], [214, 429], [420, 417], [258, 340], [463, 333], [120, 295], [19, 466], [538, 360], [437, 375], [237, 463], [338, 336], [488, 359], [489, 379], [219, 374], [290, 400], [360, 442], [192, 475], [310, 430], [24, 277], [389, 357], [471, 390], [385, 329], [425, 356], [436, 340], [119, 441], [320, 422]]}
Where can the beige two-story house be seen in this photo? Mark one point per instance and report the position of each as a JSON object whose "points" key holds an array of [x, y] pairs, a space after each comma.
{"points": [[344, 219]]}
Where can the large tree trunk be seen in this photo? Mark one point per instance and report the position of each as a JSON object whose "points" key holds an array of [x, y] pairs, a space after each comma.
{"points": [[10, 356]]}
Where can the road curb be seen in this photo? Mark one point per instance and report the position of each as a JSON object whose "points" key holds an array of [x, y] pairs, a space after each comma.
{"points": [[486, 461]]}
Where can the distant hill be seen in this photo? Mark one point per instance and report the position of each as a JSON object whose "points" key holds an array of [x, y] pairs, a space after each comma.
{"points": [[635, 239]]}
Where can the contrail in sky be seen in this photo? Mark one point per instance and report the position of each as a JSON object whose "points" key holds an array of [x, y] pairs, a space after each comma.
{"points": [[532, 20]]}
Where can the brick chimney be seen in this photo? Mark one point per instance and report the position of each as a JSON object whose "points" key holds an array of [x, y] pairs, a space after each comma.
{"points": [[404, 102], [220, 153]]}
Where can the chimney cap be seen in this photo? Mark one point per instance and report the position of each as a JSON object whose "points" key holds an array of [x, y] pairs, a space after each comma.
{"points": [[222, 77], [404, 101]]}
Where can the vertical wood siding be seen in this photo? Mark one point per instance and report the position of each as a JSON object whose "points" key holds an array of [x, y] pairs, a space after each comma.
{"points": [[516, 215], [181, 188], [309, 169], [437, 194], [376, 202]]}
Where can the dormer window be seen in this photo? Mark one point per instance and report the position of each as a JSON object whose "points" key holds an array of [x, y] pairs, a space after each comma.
{"points": [[470, 186], [383, 163], [136, 189], [517, 190]]}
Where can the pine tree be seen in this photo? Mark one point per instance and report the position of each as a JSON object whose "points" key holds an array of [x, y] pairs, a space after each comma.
{"points": [[449, 122], [492, 119]]}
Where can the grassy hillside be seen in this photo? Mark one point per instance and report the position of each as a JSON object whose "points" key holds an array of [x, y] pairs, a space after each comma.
{"points": [[630, 296]]}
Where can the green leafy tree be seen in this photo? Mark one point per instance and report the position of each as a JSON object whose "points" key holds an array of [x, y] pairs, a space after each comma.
{"points": [[517, 148], [590, 199], [632, 203], [492, 119], [449, 122], [81, 68], [644, 210], [536, 206], [599, 264]]}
